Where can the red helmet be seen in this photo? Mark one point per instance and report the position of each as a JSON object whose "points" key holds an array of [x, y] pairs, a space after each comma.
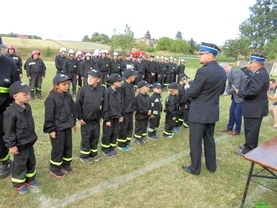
{"points": [[35, 52], [11, 47]]}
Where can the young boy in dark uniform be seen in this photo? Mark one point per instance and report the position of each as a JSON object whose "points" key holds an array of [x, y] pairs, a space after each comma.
{"points": [[89, 103], [156, 109], [112, 115], [20, 137], [171, 110], [143, 111]]}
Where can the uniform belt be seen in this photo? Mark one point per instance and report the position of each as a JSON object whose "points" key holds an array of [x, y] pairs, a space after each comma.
{"points": [[4, 90]]}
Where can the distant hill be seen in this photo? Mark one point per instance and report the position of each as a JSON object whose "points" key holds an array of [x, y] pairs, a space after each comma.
{"points": [[22, 43]]}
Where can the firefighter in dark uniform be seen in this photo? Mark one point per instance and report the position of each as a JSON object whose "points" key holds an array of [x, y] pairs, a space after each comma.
{"points": [[128, 63], [170, 73], [151, 71], [156, 109], [20, 137], [128, 95], [70, 69], [86, 67], [112, 115], [8, 75], [80, 60], [104, 67], [161, 71], [60, 59], [180, 71], [143, 111], [115, 65], [89, 103], [35, 72], [11, 53], [140, 67]]}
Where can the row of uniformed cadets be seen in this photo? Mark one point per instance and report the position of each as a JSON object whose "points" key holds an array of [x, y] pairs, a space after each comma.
{"points": [[156, 69]]}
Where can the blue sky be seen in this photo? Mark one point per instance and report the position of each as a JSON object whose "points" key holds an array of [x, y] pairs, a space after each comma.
{"points": [[213, 21]]}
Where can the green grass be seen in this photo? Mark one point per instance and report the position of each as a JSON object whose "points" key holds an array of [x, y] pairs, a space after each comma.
{"points": [[147, 176]]}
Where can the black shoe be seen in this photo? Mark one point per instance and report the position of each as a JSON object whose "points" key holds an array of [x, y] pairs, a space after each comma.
{"points": [[239, 153], [241, 147], [186, 168]]}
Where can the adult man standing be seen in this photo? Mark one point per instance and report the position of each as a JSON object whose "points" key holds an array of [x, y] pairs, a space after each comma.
{"points": [[255, 104], [204, 91], [236, 80], [272, 96], [8, 75]]}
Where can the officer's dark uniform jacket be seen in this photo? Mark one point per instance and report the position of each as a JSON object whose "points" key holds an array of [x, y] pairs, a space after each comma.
{"points": [[70, 67], [162, 69], [171, 105], [17, 60], [89, 103], [115, 67], [35, 67], [112, 105], [171, 67], [59, 62], [19, 126], [142, 102], [180, 69], [60, 113], [127, 64], [128, 94], [151, 67], [8, 75], [156, 103]]}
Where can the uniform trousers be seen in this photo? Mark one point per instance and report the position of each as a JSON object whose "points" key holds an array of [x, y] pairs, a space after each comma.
{"points": [[169, 125], [197, 132], [141, 128], [154, 124], [23, 166], [104, 77], [61, 153], [4, 151], [35, 83], [110, 134], [126, 130], [251, 133], [90, 137]]}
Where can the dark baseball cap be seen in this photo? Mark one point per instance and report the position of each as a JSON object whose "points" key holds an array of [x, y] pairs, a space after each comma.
{"points": [[114, 78], [1, 43], [95, 73], [17, 87], [173, 85], [129, 72], [156, 85], [142, 83], [60, 78]]}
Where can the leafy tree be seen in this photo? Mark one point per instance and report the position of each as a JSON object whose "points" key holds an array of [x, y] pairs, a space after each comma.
{"points": [[178, 36], [47, 52], [261, 26], [105, 38], [96, 37], [237, 47], [127, 39], [270, 49], [193, 46], [180, 46], [164, 43], [86, 39], [147, 35]]}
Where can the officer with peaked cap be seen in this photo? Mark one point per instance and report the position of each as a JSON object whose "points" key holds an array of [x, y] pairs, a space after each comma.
{"points": [[255, 103], [204, 91], [8, 74]]}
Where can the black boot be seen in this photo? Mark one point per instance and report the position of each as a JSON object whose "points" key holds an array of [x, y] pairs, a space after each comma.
{"points": [[5, 168], [32, 95], [39, 94]]}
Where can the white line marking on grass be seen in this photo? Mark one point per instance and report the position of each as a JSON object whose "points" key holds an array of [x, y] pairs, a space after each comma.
{"points": [[112, 183]]}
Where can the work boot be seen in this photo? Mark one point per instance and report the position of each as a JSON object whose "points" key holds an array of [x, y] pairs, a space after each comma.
{"points": [[32, 95], [39, 95], [5, 168]]}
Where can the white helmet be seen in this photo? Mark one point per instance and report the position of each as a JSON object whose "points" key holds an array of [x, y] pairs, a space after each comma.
{"points": [[79, 53], [106, 50], [96, 51], [171, 57], [62, 49], [88, 54], [70, 51], [115, 53], [182, 60], [157, 57], [103, 51]]}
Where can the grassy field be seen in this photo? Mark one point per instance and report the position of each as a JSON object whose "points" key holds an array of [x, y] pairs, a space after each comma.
{"points": [[147, 176]]}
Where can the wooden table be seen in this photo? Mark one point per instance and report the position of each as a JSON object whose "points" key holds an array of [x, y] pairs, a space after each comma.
{"points": [[264, 155]]}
